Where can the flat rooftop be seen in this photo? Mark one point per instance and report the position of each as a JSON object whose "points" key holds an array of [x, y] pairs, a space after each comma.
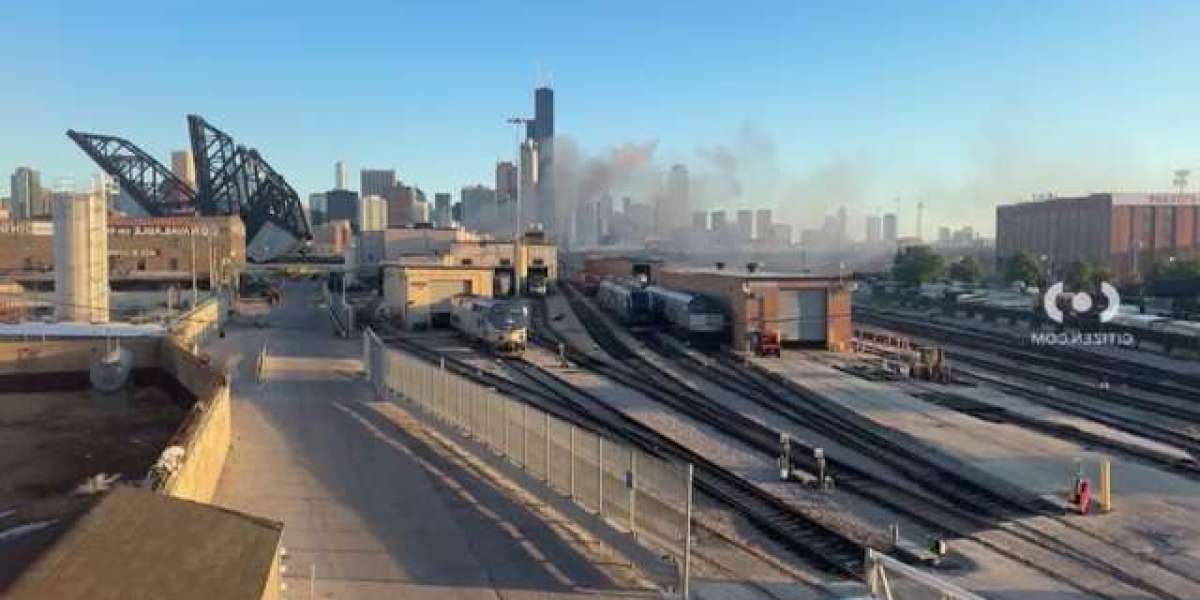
{"points": [[138, 544], [51, 442]]}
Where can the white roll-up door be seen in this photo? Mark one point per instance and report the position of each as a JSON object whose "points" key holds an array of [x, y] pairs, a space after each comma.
{"points": [[788, 317], [812, 324]]}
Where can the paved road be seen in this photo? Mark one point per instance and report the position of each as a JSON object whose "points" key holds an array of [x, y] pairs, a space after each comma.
{"points": [[375, 512]]}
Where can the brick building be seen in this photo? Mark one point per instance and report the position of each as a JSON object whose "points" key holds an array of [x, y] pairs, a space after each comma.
{"points": [[1126, 233], [807, 310], [136, 246]]}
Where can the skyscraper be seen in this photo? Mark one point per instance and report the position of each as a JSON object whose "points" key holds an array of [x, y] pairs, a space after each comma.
{"points": [[719, 221], [874, 229], [506, 181], [529, 192], [339, 176], [762, 224], [890, 229], [316, 208], [677, 208], [745, 225], [377, 182], [441, 209], [478, 207], [541, 131], [840, 234], [26, 188], [183, 167]]}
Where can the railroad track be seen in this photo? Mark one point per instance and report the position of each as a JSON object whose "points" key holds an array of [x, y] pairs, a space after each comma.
{"points": [[818, 544], [1184, 415], [1091, 365], [964, 508]]}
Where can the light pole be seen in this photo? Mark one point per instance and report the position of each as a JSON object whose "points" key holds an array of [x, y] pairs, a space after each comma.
{"points": [[519, 123]]}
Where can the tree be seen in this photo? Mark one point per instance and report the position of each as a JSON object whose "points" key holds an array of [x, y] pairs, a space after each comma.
{"points": [[1022, 267], [1079, 275], [916, 264], [1175, 269], [966, 270]]}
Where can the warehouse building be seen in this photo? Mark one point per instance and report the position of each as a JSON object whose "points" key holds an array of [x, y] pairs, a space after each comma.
{"points": [[138, 248], [1126, 233], [455, 246], [418, 295], [807, 310]]}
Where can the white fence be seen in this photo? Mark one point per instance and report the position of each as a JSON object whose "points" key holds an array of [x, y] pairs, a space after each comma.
{"points": [[633, 491]]}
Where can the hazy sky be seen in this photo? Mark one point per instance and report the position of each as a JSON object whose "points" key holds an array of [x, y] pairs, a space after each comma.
{"points": [[959, 104]]}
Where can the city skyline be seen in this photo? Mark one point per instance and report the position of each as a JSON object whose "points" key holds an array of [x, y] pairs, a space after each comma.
{"points": [[852, 107]]}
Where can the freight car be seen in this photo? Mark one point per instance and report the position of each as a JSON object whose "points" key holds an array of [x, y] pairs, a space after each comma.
{"points": [[628, 301], [501, 325]]}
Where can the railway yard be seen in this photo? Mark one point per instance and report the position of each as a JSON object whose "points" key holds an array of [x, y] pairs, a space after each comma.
{"points": [[968, 476]]}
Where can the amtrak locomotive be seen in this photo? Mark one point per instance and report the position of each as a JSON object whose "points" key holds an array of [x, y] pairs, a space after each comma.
{"points": [[501, 325]]}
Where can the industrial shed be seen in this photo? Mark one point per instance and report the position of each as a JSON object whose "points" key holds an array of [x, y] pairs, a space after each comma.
{"points": [[419, 295], [807, 310]]}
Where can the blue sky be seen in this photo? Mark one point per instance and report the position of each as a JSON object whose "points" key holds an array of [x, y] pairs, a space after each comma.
{"points": [[960, 105]]}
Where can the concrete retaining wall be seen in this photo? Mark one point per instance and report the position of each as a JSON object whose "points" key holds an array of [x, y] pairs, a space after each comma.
{"points": [[205, 435], [193, 325], [55, 365]]}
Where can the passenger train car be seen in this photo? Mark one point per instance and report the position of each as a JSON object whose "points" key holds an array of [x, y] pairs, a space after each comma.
{"points": [[696, 317], [629, 302], [501, 325]]}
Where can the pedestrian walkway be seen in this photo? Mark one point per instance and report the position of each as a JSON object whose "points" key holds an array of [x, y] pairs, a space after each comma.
{"points": [[369, 511]]}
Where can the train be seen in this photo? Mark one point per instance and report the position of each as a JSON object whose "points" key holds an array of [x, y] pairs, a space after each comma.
{"points": [[697, 318], [694, 316], [500, 325], [628, 301]]}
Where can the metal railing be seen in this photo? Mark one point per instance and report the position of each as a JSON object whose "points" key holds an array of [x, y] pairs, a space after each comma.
{"points": [[635, 492]]}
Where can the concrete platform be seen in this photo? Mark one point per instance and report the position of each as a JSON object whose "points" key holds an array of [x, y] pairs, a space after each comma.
{"points": [[369, 511]]}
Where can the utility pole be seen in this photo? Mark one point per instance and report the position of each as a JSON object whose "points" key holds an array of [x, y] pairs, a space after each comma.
{"points": [[192, 238]]}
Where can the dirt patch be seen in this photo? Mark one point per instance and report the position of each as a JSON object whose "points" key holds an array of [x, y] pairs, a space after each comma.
{"points": [[51, 442]]}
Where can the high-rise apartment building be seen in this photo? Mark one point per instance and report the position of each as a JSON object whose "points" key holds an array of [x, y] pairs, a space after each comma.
{"points": [[762, 224], [184, 167], [891, 231], [27, 193]]}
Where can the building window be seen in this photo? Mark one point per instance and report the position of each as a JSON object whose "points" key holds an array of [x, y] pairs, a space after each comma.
{"points": [[141, 264], [174, 264]]}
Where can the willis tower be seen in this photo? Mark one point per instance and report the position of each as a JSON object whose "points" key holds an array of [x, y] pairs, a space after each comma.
{"points": [[540, 131]]}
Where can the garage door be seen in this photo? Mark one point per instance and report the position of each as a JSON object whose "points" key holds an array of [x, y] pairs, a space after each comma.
{"points": [[789, 315], [440, 293], [812, 316]]}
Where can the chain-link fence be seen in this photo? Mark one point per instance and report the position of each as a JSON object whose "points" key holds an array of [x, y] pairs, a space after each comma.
{"points": [[635, 492]]}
